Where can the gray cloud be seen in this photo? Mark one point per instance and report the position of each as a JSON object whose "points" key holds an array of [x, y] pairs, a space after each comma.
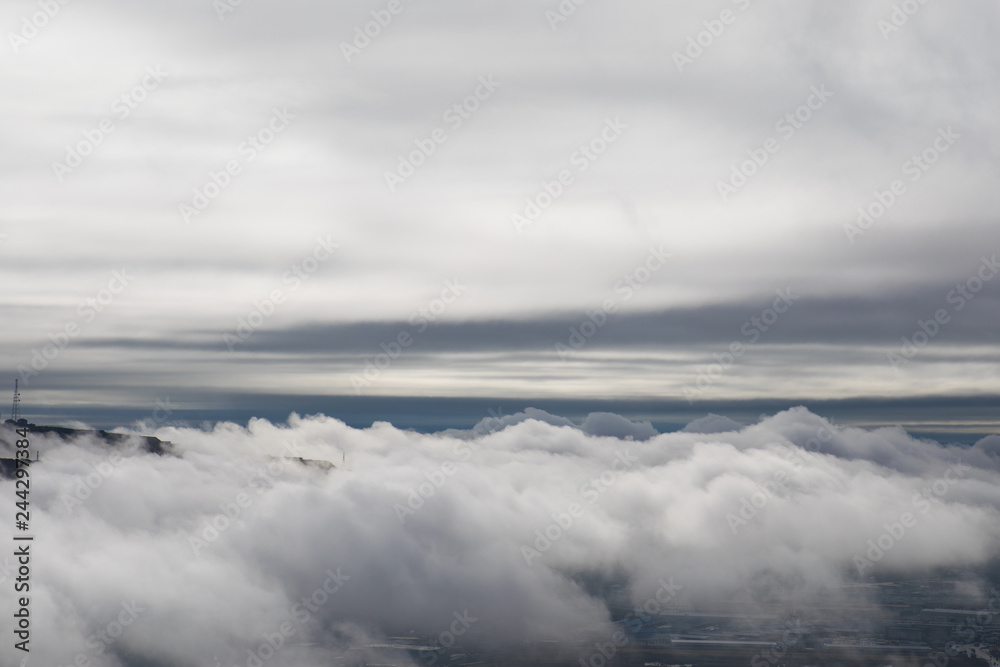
{"points": [[657, 186]]}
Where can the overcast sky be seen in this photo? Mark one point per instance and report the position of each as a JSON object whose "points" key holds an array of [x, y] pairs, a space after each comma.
{"points": [[232, 187]]}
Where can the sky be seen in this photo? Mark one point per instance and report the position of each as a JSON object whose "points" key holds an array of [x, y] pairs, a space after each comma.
{"points": [[418, 211]]}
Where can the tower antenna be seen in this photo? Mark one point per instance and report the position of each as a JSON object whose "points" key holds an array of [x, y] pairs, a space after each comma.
{"points": [[16, 409]]}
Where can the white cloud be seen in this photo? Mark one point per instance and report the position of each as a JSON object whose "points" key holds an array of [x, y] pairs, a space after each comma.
{"points": [[808, 496]]}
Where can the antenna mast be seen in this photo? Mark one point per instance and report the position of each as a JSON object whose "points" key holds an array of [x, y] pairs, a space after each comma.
{"points": [[16, 410]]}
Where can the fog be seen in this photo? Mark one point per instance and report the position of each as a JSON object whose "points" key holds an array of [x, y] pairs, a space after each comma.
{"points": [[528, 527]]}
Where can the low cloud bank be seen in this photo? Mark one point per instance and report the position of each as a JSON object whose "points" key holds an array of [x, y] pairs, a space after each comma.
{"points": [[528, 527]]}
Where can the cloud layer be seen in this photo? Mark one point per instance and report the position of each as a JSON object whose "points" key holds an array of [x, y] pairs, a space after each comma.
{"points": [[534, 526]]}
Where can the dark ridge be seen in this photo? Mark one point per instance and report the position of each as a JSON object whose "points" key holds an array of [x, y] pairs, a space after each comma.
{"points": [[325, 466], [8, 437], [149, 443]]}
